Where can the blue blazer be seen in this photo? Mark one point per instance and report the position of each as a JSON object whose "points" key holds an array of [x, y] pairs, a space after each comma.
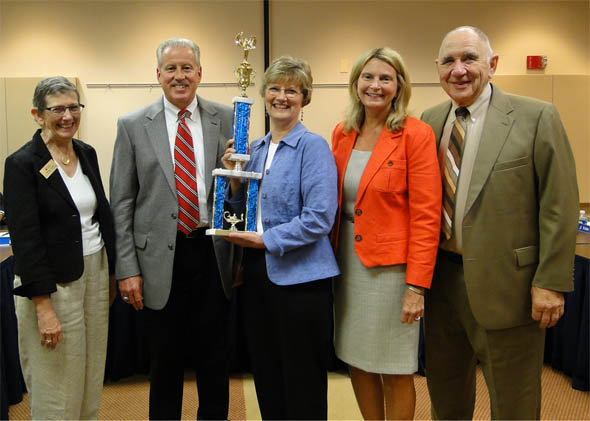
{"points": [[298, 199]]}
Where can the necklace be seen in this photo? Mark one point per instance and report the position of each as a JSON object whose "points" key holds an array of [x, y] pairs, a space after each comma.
{"points": [[64, 158]]}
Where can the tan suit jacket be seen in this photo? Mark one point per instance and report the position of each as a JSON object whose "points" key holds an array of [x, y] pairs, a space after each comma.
{"points": [[520, 218]]}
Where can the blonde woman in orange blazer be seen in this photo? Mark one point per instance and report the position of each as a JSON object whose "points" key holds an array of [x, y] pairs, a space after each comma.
{"points": [[386, 234]]}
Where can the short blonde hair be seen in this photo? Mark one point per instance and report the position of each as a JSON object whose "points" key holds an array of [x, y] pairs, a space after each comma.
{"points": [[355, 113], [289, 69]]}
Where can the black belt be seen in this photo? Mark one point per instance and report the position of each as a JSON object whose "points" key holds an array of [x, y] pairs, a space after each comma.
{"points": [[449, 255], [197, 232]]}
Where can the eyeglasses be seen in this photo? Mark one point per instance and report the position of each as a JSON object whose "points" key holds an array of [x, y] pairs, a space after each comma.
{"points": [[276, 91], [60, 110]]}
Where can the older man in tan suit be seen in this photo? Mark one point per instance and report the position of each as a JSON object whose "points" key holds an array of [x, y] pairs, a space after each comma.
{"points": [[509, 228]]}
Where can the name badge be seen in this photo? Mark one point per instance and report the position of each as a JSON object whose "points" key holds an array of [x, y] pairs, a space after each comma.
{"points": [[48, 169]]}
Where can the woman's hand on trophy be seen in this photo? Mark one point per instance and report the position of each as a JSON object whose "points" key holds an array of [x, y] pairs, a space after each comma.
{"points": [[246, 239], [229, 150]]}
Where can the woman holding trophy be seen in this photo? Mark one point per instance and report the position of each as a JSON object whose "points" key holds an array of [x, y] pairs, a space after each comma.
{"points": [[288, 262]]}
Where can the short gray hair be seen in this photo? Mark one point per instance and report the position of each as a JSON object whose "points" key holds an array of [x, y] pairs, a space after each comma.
{"points": [[178, 42], [52, 86], [480, 34]]}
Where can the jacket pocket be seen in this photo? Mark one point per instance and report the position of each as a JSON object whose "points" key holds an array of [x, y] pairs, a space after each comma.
{"points": [[506, 165], [391, 177], [526, 256], [140, 240], [392, 237]]}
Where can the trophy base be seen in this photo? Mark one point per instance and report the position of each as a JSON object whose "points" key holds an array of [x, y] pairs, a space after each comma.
{"points": [[237, 174], [240, 157], [221, 233]]}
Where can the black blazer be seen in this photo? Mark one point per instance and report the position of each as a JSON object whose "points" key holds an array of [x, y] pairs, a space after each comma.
{"points": [[45, 229]]}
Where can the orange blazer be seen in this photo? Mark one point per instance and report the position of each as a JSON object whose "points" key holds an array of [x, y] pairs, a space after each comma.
{"points": [[397, 212]]}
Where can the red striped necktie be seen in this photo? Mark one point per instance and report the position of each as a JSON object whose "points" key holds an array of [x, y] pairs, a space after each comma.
{"points": [[185, 173]]}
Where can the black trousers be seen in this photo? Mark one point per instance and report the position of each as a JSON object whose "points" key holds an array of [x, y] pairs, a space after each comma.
{"points": [[197, 308], [289, 333]]}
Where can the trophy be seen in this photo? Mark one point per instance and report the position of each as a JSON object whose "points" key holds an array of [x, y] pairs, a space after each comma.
{"points": [[242, 106]]}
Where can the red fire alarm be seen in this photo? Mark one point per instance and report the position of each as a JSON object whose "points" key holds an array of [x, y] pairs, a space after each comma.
{"points": [[536, 62]]}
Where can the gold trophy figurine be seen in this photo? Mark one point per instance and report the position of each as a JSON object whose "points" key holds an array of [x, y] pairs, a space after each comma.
{"points": [[244, 73]]}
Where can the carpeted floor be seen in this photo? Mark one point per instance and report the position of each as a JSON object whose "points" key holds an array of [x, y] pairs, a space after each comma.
{"points": [[128, 399]]}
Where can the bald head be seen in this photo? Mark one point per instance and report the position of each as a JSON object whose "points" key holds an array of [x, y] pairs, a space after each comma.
{"points": [[474, 30], [465, 64]]}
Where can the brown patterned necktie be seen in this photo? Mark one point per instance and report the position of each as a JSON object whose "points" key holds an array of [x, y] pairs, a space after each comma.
{"points": [[452, 170], [185, 173]]}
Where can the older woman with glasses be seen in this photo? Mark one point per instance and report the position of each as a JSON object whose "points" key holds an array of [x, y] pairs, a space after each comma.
{"points": [[386, 234], [63, 242], [288, 263]]}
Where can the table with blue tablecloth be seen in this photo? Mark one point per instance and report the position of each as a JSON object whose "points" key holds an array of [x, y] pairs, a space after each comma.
{"points": [[567, 344], [12, 384]]}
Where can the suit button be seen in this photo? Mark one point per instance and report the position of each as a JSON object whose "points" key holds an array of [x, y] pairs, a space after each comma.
{"points": [[358, 238], [390, 163], [173, 215], [264, 195], [267, 172], [171, 246], [266, 220], [358, 212]]}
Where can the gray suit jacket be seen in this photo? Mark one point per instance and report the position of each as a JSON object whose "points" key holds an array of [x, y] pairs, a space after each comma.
{"points": [[143, 196], [520, 218]]}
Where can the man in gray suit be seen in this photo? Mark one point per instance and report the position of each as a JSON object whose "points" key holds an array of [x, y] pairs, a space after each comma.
{"points": [[507, 249], [165, 263]]}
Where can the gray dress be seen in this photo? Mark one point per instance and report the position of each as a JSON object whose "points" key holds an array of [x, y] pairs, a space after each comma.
{"points": [[367, 301]]}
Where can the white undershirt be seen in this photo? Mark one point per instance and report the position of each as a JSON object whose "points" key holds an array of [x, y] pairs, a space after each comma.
{"points": [[85, 200], [272, 148], [194, 124]]}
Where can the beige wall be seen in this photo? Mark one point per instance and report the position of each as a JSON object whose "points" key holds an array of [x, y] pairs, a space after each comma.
{"points": [[327, 33], [114, 42], [331, 33]]}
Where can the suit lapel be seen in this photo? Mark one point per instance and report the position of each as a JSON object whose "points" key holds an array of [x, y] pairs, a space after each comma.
{"points": [[54, 180], [386, 144], [211, 130], [158, 136], [495, 132], [437, 121], [88, 170], [342, 155]]}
